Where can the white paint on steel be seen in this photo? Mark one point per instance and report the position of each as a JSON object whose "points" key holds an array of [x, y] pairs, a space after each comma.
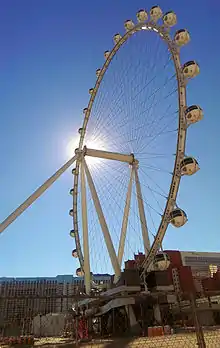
{"points": [[109, 155], [144, 228], [17, 212], [107, 236], [125, 219], [87, 274], [180, 150], [161, 31], [75, 216]]}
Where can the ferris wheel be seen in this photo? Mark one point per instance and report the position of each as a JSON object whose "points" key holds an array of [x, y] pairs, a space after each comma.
{"points": [[132, 150], [137, 113]]}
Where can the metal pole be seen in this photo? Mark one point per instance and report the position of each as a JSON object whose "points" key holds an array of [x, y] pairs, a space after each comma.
{"points": [[145, 235], [87, 275], [103, 224], [125, 219], [199, 331], [35, 195]]}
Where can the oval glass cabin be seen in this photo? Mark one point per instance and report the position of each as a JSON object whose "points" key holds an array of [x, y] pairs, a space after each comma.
{"points": [[194, 114], [72, 233], [191, 69], [182, 37], [189, 166], [156, 13], [142, 15], [161, 261], [178, 217], [74, 253], [170, 19], [79, 272]]}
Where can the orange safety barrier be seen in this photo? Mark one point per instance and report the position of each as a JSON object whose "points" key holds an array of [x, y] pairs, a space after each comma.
{"points": [[21, 340], [155, 331], [150, 331]]}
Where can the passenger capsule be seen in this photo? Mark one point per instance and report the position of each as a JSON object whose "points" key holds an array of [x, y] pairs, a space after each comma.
{"points": [[117, 38], [170, 19], [156, 13], [189, 166], [71, 191], [194, 114], [74, 253], [80, 130], [178, 217], [85, 110], [72, 234], [98, 72], [191, 69], [71, 212], [161, 262], [77, 151], [129, 24], [142, 16], [106, 54], [91, 91], [79, 272], [182, 37]]}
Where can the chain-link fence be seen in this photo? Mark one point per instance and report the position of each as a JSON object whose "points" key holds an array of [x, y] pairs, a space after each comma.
{"points": [[142, 322]]}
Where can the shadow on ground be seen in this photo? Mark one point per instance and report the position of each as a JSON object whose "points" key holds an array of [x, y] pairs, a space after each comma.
{"points": [[115, 343], [119, 343]]}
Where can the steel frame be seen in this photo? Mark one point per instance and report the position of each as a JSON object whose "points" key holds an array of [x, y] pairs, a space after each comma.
{"points": [[102, 221], [163, 32], [180, 151], [125, 219], [87, 272]]}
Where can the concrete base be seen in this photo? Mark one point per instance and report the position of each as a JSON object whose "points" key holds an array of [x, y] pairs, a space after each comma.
{"points": [[134, 325], [157, 314]]}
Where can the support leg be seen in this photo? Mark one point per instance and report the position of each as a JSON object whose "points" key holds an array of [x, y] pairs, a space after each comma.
{"points": [[35, 195], [125, 219], [107, 236], [87, 274], [145, 235]]}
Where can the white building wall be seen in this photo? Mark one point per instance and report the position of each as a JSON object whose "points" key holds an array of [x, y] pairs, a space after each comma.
{"points": [[200, 261], [49, 325]]}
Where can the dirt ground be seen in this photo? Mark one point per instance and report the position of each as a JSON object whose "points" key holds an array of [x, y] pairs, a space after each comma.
{"points": [[212, 339], [175, 341]]}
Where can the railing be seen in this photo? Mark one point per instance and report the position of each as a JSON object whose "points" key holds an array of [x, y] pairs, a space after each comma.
{"points": [[190, 323]]}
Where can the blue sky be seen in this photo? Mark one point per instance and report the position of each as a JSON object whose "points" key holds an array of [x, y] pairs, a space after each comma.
{"points": [[49, 53]]}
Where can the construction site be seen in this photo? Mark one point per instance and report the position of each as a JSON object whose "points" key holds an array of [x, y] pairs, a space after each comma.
{"points": [[127, 160], [180, 301]]}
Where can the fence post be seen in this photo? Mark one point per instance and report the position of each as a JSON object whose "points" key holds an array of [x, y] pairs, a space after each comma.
{"points": [[40, 325], [113, 321], [76, 325], [198, 327]]}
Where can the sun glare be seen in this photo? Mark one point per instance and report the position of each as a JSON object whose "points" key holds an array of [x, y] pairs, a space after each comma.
{"points": [[95, 144], [91, 143], [71, 146]]}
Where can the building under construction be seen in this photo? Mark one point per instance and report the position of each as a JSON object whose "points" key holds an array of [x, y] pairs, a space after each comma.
{"points": [[27, 297], [188, 273]]}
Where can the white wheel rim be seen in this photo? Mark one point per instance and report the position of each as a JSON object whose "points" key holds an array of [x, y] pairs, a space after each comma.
{"points": [[181, 138]]}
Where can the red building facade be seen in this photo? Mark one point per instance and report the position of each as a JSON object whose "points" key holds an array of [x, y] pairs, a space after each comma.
{"points": [[189, 272]]}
